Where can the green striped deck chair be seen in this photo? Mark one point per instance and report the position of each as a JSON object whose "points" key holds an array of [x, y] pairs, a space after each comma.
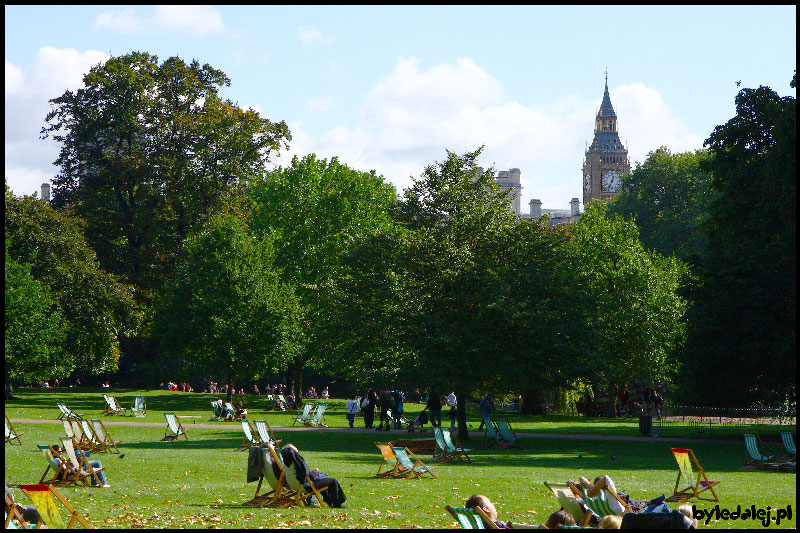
{"points": [[12, 433], [441, 453], [249, 438], [789, 449], [316, 420], [270, 402], [44, 497], [67, 412], [303, 417], [696, 484], [469, 518], [507, 434], [566, 498], [753, 458], [412, 468], [389, 460], [281, 404], [265, 432], [105, 438], [454, 447], [237, 415], [490, 435], [217, 412], [600, 504], [112, 406], [139, 407], [173, 425]]}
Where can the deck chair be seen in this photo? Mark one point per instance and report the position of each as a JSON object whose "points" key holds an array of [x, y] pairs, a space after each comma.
{"points": [[281, 404], [81, 469], [249, 439], [44, 498], [67, 412], [139, 407], [76, 433], [174, 425], [301, 490], [389, 460], [412, 468], [90, 440], [696, 485], [12, 433], [490, 435], [600, 504], [14, 518], [58, 464], [112, 406], [469, 518], [217, 412], [754, 459], [789, 448], [454, 448], [105, 438], [566, 498], [303, 417], [265, 432], [506, 434], [316, 420], [280, 495], [237, 416]]}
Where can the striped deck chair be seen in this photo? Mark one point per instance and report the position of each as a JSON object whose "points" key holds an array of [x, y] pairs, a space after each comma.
{"points": [[265, 432], [454, 447], [90, 439], [754, 459], [566, 498], [112, 406], [67, 412], [696, 484], [412, 469], [218, 415], [44, 498], [81, 469], [389, 459], [139, 407], [57, 464], [316, 420], [237, 415], [600, 504], [280, 495], [76, 433], [303, 417], [281, 404], [789, 449], [507, 434], [469, 518], [105, 438], [270, 402], [490, 434], [250, 438], [12, 433], [174, 425]]}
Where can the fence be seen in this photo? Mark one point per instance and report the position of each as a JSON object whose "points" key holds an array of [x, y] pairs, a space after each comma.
{"points": [[722, 423]]}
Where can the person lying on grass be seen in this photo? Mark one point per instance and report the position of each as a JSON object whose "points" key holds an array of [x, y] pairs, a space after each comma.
{"points": [[656, 505]]}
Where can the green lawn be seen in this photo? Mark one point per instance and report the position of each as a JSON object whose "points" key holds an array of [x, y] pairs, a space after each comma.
{"points": [[201, 482]]}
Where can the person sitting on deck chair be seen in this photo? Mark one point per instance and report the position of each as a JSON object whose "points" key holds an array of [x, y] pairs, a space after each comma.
{"points": [[334, 496], [656, 505], [558, 519], [486, 505], [29, 512]]}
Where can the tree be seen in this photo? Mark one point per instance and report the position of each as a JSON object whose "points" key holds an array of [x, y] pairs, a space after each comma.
{"points": [[668, 197], [96, 309], [743, 316], [313, 210], [227, 311], [148, 150], [635, 315]]}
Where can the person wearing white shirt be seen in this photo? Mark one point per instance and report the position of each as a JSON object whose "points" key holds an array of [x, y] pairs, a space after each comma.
{"points": [[452, 401], [352, 409]]}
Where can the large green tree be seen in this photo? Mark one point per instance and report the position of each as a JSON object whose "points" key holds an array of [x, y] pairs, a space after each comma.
{"points": [[227, 312], [313, 210], [743, 316]]}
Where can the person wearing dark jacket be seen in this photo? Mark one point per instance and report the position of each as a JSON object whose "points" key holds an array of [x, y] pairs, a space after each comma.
{"points": [[369, 409], [434, 405], [384, 404], [334, 495]]}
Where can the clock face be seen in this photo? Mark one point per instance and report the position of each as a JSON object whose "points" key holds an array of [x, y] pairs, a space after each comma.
{"points": [[611, 181], [587, 183]]}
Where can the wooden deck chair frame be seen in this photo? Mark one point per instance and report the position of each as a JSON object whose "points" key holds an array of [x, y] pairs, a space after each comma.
{"points": [[12, 433], [281, 404], [139, 406], [251, 437], [566, 498], [441, 454], [80, 440], [411, 469], [598, 504], [789, 452], [458, 451], [300, 490], [697, 484], [12, 513], [59, 466], [280, 495], [265, 433], [91, 441], [75, 516], [388, 457], [303, 417], [177, 431], [112, 406], [753, 458], [506, 433], [470, 518], [104, 436], [68, 412], [319, 414], [79, 472], [491, 436]]}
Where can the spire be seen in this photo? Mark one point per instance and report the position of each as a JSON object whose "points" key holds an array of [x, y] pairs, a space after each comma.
{"points": [[606, 109]]}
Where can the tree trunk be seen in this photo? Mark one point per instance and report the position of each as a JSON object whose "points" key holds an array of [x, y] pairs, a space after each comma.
{"points": [[461, 416], [230, 387], [294, 380], [9, 389], [613, 391], [532, 402]]}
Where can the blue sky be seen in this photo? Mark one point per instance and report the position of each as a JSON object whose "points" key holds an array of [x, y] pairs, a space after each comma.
{"points": [[391, 88]]}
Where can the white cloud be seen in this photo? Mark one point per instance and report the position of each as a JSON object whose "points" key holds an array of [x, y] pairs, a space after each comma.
{"points": [[193, 21], [319, 104], [311, 36]]}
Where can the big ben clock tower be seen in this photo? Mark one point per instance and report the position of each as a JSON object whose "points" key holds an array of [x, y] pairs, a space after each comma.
{"points": [[606, 159]]}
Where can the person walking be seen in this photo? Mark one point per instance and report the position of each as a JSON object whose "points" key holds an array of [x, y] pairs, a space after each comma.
{"points": [[397, 411], [452, 402], [384, 404], [434, 405], [352, 409], [485, 406], [369, 409]]}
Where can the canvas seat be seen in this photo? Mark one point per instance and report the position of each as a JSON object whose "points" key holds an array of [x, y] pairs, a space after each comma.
{"points": [[174, 425], [599, 504], [449, 450], [55, 462], [112, 406], [265, 432], [388, 460], [250, 437], [316, 420], [491, 437], [789, 450], [90, 440], [303, 417], [301, 490], [81, 469], [280, 495], [104, 437], [281, 404], [566, 497], [696, 484], [754, 459], [470, 518], [505, 433], [12, 433], [68, 413], [44, 497], [411, 468], [139, 407]]}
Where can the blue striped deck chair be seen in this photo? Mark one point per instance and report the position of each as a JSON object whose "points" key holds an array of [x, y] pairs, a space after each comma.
{"points": [[413, 468], [249, 439], [753, 458], [173, 425], [469, 518], [454, 447], [316, 420], [696, 484], [789, 448], [507, 434], [490, 435], [303, 417], [139, 407], [600, 504]]}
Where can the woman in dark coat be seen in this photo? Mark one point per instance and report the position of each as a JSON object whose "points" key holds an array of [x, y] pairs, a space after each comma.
{"points": [[369, 410], [384, 404]]}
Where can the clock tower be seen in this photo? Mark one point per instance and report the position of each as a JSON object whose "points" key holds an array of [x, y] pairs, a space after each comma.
{"points": [[606, 160]]}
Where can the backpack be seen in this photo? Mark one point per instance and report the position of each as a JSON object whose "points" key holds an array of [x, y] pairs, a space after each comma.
{"points": [[365, 403]]}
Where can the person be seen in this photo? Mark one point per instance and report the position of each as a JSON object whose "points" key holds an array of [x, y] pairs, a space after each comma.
{"points": [[452, 402], [325, 393], [55, 382], [369, 409], [397, 410], [658, 400], [485, 406], [610, 522], [255, 389], [101, 476], [383, 407], [240, 410], [352, 409], [226, 413], [623, 398], [558, 519], [486, 505], [656, 505], [334, 495], [29, 512], [434, 405]]}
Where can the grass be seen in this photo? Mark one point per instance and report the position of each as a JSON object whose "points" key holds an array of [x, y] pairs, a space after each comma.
{"points": [[200, 483]]}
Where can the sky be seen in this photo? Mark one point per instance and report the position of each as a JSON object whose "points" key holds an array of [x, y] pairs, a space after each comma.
{"points": [[394, 88]]}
